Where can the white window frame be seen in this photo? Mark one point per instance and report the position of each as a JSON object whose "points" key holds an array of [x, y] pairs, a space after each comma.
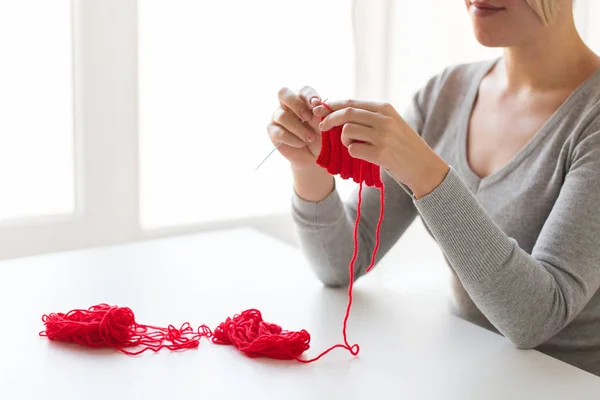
{"points": [[106, 127], [105, 134]]}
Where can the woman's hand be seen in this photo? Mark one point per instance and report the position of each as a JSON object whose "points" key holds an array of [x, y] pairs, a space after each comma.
{"points": [[295, 126], [375, 132]]}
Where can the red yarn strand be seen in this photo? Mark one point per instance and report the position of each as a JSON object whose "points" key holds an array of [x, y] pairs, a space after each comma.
{"points": [[336, 159], [353, 349]]}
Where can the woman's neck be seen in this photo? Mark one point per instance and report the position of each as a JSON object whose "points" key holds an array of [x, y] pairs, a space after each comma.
{"points": [[554, 60]]}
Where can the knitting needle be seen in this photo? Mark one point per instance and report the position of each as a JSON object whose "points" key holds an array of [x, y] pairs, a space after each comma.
{"points": [[269, 155], [276, 147], [272, 151]]}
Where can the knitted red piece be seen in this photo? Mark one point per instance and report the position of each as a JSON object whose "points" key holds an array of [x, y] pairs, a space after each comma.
{"points": [[103, 326], [336, 159]]}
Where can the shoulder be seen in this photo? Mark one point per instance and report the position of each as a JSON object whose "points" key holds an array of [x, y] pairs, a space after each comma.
{"points": [[442, 95], [466, 75], [447, 89], [582, 119], [584, 107]]}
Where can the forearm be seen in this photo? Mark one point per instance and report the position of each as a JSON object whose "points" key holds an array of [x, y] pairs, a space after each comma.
{"points": [[325, 229], [325, 234], [527, 299]]}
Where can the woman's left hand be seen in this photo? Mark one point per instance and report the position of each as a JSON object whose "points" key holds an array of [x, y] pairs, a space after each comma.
{"points": [[375, 132]]}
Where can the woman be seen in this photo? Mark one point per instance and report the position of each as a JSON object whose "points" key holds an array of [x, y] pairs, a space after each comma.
{"points": [[503, 161]]}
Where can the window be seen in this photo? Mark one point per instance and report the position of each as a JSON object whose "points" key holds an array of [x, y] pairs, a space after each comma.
{"points": [[122, 120], [36, 118], [587, 12], [209, 75]]}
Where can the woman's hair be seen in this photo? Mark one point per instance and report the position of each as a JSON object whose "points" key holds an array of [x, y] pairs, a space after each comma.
{"points": [[546, 9]]}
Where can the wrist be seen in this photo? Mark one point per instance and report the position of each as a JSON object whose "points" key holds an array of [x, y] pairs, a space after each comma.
{"points": [[312, 183], [305, 169], [429, 177]]}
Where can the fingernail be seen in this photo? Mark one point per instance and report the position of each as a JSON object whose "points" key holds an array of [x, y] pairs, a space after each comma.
{"points": [[321, 125], [315, 101], [317, 110], [306, 114]]}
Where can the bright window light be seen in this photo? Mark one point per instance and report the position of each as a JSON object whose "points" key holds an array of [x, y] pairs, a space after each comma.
{"points": [[209, 76], [36, 119]]}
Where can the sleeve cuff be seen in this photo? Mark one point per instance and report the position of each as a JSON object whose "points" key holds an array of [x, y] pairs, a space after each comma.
{"points": [[473, 244], [310, 215]]}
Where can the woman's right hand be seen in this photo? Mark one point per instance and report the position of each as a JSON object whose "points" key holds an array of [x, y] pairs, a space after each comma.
{"points": [[295, 126]]}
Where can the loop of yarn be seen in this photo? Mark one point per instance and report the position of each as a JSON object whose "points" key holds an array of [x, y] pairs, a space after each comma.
{"points": [[104, 325], [110, 326]]}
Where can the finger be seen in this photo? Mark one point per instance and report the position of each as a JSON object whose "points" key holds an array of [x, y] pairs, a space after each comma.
{"points": [[289, 99], [352, 133], [373, 106], [309, 96], [290, 122], [279, 134], [363, 151], [350, 115], [321, 111]]}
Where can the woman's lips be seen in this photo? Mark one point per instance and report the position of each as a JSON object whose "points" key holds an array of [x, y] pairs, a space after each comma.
{"points": [[482, 9]]}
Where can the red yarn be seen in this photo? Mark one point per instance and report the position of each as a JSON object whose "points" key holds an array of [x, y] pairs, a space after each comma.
{"points": [[254, 337], [103, 325], [111, 326], [336, 159]]}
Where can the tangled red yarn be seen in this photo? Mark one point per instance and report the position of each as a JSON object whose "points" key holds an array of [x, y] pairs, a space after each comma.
{"points": [[254, 337], [104, 325]]}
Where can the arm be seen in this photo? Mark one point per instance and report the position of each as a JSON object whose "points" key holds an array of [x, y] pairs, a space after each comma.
{"points": [[528, 298], [325, 229], [325, 226]]}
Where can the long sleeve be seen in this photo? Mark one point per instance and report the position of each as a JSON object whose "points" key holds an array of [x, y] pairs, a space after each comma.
{"points": [[528, 297], [325, 228]]}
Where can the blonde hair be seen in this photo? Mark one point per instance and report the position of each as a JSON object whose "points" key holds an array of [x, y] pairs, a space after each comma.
{"points": [[546, 9]]}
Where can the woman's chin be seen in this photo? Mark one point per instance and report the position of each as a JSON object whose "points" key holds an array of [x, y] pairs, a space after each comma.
{"points": [[489, 40]]}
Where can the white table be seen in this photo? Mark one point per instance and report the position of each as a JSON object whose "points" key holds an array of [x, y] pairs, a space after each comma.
{"points": [[411, 348]]}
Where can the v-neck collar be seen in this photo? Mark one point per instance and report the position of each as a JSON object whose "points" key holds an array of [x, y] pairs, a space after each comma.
{"points": [[465, 117]]}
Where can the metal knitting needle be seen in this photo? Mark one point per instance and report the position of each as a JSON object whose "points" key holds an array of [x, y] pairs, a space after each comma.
{"points": [[269, 155], [276, 147], [271, 152]]}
